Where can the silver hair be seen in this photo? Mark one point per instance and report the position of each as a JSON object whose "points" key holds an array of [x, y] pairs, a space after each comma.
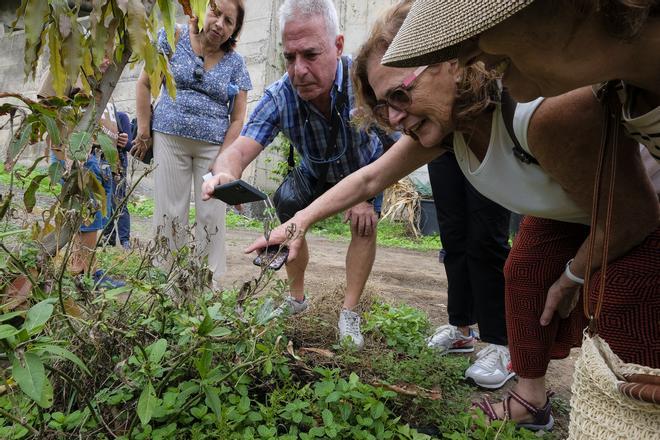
{"points": [[292, 9]]}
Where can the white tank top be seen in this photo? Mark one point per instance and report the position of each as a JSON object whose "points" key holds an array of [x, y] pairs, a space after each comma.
{"points": [[522, 188], [645, 128]]}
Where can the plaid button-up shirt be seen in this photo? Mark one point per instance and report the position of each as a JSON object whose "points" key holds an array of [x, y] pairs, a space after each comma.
{"points": [[281, 110]]}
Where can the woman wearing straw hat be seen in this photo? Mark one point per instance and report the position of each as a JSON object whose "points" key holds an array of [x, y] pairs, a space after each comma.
{"points": [[432, 102], [547, 47]]}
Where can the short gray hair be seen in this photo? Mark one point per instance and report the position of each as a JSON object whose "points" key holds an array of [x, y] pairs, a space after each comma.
{"points": [[292, 9]]}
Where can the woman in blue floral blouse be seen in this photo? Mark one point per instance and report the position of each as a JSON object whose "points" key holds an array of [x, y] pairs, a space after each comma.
{"points": [[212, 81]]}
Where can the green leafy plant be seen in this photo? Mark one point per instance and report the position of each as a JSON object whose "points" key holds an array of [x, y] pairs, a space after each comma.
{"points": [[403, 327]]}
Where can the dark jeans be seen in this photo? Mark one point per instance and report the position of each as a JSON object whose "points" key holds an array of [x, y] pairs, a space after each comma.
{"points": [[474, 233], [123, 219]]}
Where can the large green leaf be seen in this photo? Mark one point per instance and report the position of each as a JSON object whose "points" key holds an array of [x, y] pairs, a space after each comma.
{"points": [[137, 27], [57, 71], [206, 326], [168, 14], [219, 332], [79, 145], [98, 43], [72, 48], [7, 331], [146, 403], [38, 315], [199, 10], [34, 19], [17, 144], [55, 172], [157, 351], [203, 361], [63, 353], [52, 129], [30, 195], [213, 400], [31, 377], [109, 149]]}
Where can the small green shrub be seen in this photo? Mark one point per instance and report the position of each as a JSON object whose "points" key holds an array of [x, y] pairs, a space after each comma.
{"points": [[403, 328]]}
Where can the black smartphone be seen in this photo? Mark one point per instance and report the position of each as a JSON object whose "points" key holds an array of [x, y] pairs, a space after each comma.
{"points": [[237, 192], [274, 256]]}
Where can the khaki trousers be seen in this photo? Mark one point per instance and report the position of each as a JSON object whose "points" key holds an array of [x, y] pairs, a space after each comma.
{"points": [[179, 163]]}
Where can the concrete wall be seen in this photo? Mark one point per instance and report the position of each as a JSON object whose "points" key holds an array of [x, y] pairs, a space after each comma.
{"points": [[259, 45]]}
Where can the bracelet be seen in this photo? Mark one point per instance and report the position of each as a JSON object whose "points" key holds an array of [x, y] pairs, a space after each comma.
{"points": [[571, 276]]}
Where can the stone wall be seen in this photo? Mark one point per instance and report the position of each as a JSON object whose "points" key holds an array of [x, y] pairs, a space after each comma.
{"points": [[259, 44]]}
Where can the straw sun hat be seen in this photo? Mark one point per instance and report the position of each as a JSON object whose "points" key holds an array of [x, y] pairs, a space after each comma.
{"points": [[433, 29]]}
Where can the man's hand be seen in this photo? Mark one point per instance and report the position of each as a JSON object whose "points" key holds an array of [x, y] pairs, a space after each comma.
{"points": [[122, 140], [289, 233], [562, 298], [363, 218], [219, 179]]}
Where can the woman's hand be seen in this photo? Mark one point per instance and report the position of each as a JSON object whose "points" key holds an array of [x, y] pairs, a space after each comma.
{"points": [[290, 234], [562, 298], [141, 145]]}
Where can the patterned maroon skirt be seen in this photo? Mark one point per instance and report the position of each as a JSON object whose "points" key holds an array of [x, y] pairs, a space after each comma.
{"points": [[630, 317]]}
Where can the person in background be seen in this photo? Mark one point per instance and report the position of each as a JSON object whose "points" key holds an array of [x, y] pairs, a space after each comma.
{"points": [[314, 95], [85, 240], [210, 77], [122, 224], [474, 235]]}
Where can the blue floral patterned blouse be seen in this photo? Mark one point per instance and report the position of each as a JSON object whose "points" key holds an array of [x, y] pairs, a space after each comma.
{"points": [[201, 109]]}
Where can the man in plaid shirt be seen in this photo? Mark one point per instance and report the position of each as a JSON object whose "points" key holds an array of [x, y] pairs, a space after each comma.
{"points": [[303, 105]]}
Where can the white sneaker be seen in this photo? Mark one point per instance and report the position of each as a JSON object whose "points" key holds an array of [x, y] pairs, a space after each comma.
{"points": [[349, 327], [492, 369], [449, 339], [291, 306]]}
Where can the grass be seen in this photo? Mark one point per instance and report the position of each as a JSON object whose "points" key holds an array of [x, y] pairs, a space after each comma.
{"points": [[45, 186], [390, 234]]}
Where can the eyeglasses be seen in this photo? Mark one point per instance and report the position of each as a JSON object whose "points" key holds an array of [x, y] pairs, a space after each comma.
{"points": [[308, 133], [198, 73], [398, 98]]}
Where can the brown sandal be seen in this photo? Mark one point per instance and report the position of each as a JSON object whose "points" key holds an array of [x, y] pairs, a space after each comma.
{"points": [[543, 420]]}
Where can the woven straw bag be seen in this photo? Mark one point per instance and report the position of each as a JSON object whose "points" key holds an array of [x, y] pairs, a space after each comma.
{"points": [[611, 399], [599, 407]]}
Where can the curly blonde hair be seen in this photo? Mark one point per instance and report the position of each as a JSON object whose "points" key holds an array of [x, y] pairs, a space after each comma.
{"points": [[476, 91]]}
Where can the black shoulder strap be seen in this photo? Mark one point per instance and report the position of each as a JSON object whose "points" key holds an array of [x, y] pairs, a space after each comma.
{"points": [[508, 113]]}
